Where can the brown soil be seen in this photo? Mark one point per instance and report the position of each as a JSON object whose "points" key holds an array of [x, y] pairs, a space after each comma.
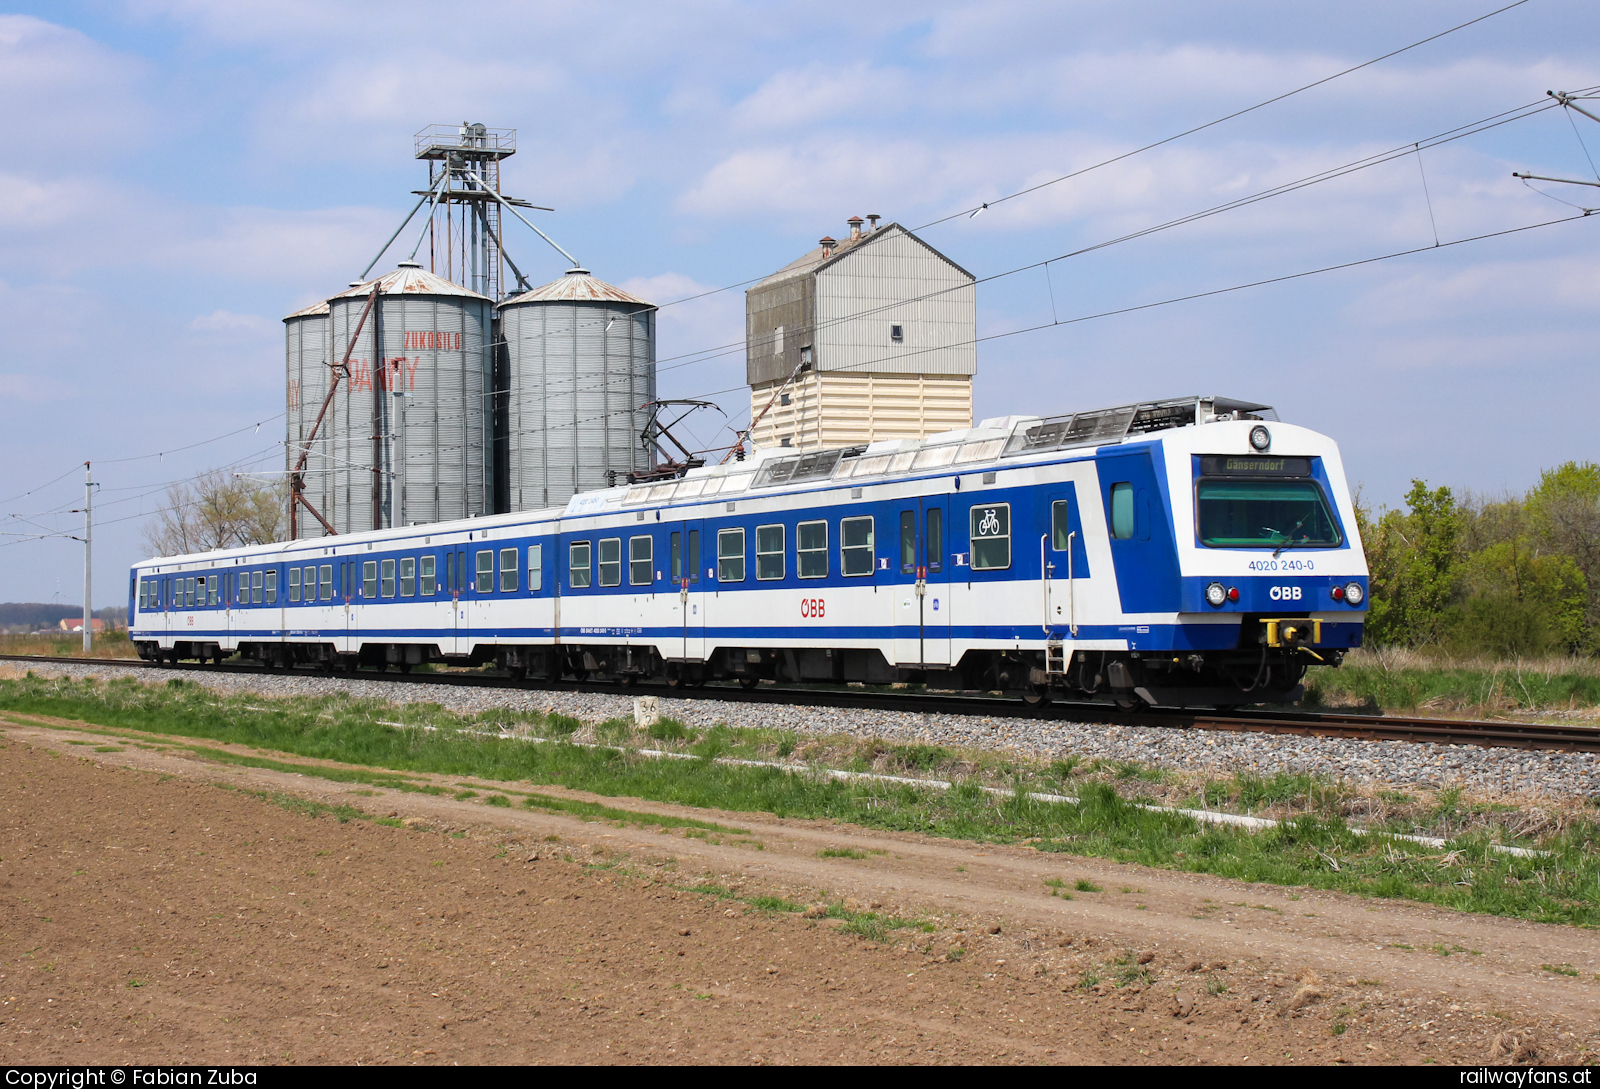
{"points": [[149, 916]]}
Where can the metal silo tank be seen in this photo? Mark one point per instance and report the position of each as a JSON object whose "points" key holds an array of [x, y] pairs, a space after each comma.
{"points": [[581, 366], [306, 385], [419, 375]]}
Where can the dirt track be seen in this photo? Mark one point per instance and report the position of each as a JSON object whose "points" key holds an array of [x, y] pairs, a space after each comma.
{"points": [[150, 916]]}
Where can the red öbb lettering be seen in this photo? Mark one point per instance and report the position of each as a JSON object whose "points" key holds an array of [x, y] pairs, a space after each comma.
{"points": [[813, 608]]}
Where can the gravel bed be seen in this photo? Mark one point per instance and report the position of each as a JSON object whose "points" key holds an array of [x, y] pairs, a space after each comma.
{"points": [[1523, 774]]}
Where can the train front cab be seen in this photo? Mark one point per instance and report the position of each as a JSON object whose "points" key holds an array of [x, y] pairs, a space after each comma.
{"points": [[1237, 567]]}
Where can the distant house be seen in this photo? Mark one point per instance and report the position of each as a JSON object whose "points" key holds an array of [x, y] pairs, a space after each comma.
{"points": [[75, 625]]}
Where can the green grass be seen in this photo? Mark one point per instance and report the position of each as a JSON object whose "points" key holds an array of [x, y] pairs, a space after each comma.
{"points": [[1083, 884], [1312, 850], [1402, 682], [841, 852]]}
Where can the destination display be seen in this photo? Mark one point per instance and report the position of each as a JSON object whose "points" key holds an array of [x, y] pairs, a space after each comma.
{"points": [[1253, 465]]}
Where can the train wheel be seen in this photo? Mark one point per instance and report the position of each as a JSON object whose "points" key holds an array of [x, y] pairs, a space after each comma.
{"points": [[747, 683], [1037, 696], [675, 678]]}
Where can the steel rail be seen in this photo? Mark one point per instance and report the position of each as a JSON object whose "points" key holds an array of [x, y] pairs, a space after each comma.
{"points": [[1513, 735]]}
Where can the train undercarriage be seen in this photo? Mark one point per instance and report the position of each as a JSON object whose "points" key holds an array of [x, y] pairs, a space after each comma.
{"points": [[1263, 673]]}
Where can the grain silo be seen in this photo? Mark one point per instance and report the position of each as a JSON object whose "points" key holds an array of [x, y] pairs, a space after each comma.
{"points": [[306, 363], [409, 429], [580, 369]]}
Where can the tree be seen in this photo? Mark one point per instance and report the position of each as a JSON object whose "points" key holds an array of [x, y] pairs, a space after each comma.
{"points": [[218, 510], [1412, 560]]}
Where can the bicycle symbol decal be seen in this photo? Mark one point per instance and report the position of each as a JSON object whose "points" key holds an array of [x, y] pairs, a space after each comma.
{"points": [[990, 526]]}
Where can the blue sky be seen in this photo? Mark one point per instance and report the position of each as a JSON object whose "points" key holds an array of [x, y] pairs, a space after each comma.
{"points": [[181, 174]]}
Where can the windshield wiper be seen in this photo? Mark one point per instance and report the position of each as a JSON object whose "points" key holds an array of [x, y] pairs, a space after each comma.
{"points": [[1289, 539]]}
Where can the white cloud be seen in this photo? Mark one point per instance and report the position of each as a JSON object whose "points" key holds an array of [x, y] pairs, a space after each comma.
{"points": [[33, 388], [66, 96], [820, 92]]}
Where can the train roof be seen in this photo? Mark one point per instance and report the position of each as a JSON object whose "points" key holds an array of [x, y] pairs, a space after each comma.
{"points": [[992, 440], [971, 448]]}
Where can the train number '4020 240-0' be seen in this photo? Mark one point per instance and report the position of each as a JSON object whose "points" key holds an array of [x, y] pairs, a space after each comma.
{"points": [[1283, 565]]}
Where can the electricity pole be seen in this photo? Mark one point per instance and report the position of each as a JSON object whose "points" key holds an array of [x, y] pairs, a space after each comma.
{"points": [[88, 560]]}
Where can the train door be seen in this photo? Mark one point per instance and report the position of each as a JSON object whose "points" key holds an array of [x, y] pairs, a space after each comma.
{"points": [[347, 592], [1064, 562], [683, 563], [922, 584], [461, 597]]}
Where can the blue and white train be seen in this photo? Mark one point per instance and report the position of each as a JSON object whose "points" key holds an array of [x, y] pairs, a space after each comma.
{"points": [[1190, 552]]}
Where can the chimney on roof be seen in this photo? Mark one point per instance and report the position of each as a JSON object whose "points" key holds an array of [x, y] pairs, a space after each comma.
{"points": [[874, 221], [827, 245], [855, 227]]}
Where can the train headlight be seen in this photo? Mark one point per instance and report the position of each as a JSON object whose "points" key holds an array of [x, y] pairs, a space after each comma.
{"points": [[1233, 593], [1260, 438], [1216, 594], [1353, 593], [1338, 593]]}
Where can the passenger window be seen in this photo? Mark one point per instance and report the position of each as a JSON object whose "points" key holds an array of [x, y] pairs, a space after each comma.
{"points": [[641, 557], [485, 581], [811, 549], [578, 564], [769, 553], [908, 542], [675, 549], [855, 546], [449, 571], [1122, 511], [188, 593], [257, 584], [991, 537], [535, 568], [693, 559], [212, 597], [509, 583], [242, 587], [428, 570], [327, 582], [611, 561], [935, 539], [408, 576], [294, 585], [730, 555], [369, 579], [386, 578]]}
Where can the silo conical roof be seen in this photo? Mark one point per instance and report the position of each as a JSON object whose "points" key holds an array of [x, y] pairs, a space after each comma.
{"points": [[309, 312], [577, 285], [409, 279]]}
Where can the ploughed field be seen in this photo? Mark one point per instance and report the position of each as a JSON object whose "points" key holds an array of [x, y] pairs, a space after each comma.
{"points": [[161, 906]]}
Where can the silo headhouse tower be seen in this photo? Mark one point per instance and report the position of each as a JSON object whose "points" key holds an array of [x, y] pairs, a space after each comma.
{"points": [[860, 340]]}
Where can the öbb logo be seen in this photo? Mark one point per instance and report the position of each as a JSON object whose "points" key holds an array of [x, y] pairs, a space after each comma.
{"points": [[813, 607], [1284, 593]]}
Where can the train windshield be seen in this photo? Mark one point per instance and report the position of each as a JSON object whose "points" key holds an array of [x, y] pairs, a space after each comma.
{"points": [[1265, 514]]}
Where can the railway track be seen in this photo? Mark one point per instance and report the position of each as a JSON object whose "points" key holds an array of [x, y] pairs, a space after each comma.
{"points": [[1515, 735]]}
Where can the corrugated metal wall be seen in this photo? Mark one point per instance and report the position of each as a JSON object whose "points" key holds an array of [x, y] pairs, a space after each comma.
{"points": [[433, 455], [789, 305], [874, 280], [831, 408], [306, 356], [578, 373]]}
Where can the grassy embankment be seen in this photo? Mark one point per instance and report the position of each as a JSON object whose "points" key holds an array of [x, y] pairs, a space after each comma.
{"points": [[1411, 680], [108, 645], [1315, 848]]}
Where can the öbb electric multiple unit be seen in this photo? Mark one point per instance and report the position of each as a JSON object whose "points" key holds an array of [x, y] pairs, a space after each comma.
{"points": [[1189, 552]]}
